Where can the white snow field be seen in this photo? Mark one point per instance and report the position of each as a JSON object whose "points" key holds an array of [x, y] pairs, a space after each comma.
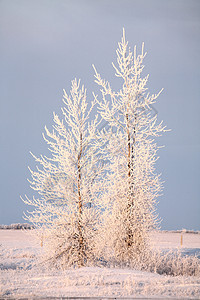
{"points": [[21, 278]]}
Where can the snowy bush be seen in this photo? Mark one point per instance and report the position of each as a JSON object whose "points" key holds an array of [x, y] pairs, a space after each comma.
{"points": [[61, 243], [172, 263]]}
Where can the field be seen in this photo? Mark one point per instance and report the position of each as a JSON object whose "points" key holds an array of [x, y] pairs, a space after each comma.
{"points": [[21, 277]]}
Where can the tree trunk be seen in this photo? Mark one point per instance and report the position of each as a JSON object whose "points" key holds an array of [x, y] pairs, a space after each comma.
{"points": [[81, 242], [130, 235]]}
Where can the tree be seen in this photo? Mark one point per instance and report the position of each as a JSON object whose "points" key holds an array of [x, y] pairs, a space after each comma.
{"points": [[132, 183], [66, 213]]}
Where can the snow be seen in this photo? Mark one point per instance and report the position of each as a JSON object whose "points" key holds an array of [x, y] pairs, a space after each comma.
{"points": [[171, 240], [20, 276]]}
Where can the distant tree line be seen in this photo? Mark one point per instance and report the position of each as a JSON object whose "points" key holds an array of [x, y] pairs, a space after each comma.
{"points": [[17, 226]]}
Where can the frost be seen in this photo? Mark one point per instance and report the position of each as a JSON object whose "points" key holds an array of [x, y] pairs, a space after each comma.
{"points": [[132, 185], [32, 280], [97, 192], [68, 185]]}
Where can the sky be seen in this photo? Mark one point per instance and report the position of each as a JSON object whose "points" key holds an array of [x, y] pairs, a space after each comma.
{"points": [[44, 44]]}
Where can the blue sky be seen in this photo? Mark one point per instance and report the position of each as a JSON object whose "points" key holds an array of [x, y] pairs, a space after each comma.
{"points": [[45, 44]]}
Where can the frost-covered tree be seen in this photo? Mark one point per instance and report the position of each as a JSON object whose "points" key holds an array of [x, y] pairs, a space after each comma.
{"points": [[130, 147], [66, 212]]}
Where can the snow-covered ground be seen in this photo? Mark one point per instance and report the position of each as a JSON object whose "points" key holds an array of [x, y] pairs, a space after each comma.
{"points": [[20, 277]]}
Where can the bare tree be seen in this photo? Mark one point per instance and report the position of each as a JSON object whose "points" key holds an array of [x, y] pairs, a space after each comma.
{"points": [[66, 213], [132, 183]]}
